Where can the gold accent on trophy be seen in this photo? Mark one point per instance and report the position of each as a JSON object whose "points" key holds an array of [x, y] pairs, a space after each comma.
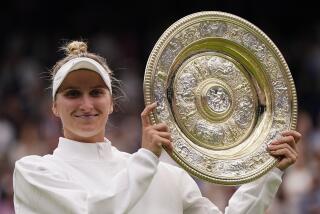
{"points": [[225, 91]]}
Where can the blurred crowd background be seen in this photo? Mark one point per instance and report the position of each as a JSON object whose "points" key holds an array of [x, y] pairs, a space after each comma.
{"points": [[125, 33]]}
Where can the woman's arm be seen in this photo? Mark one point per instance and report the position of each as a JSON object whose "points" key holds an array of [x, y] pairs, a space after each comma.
{"points": [[39, 188], [251, 198]]}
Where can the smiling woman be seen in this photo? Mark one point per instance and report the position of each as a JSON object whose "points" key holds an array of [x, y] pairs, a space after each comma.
{"points": [[83, 103], [86, 174], [82, 94]]}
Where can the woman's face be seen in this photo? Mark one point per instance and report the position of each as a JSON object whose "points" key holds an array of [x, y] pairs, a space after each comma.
{"points": [[83, 103]]}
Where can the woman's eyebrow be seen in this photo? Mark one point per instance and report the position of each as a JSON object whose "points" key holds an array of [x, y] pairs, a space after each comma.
{"points": [[69, 88], [99, 86]]}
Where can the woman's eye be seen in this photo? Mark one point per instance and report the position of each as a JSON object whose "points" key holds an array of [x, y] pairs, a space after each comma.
{"points": [[72, 93], [97, 92]]}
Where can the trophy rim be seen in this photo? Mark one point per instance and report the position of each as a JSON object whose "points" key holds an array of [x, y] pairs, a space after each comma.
{"points": [[148, 82]]}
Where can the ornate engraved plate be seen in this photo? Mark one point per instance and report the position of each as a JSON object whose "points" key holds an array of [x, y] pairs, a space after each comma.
{"points": [[225, 91]]}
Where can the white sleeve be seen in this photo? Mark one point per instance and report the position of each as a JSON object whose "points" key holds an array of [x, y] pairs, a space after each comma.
{"points": [[251, 198], [255, 197], [38, 189], [193, 201]]}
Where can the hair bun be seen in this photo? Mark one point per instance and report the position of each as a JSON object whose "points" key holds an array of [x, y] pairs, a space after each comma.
{"points": [[76, 48]]}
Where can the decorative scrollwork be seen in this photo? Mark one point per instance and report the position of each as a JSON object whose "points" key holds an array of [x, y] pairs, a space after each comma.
{"points": [[225, 92]]}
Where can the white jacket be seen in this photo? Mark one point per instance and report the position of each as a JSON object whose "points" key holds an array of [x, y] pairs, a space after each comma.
{"points": [[84, 178]]}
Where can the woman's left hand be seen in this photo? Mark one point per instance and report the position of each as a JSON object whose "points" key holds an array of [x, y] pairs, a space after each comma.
{"points": [[285, 148]]}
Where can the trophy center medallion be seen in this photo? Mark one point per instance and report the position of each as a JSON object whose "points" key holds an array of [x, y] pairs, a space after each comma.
{"points": [[218, 99]]}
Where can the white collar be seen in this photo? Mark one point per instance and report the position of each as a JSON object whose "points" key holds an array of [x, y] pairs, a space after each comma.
{"points": [[73, 150]]}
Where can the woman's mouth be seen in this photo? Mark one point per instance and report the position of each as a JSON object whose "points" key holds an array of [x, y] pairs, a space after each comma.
{"points": [[86, 116]]}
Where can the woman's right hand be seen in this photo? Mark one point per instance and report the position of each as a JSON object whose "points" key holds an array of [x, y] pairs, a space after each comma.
{"points": [[154, 137]]}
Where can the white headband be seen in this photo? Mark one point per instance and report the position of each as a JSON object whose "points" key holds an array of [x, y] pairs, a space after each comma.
{"points": [[76, 64]]}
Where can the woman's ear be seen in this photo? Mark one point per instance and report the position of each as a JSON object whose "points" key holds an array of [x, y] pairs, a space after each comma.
{"points": [[54, 109], [110, 110]]}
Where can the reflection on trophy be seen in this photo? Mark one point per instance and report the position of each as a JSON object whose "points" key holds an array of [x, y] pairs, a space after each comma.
{"points": [[225, 91]]}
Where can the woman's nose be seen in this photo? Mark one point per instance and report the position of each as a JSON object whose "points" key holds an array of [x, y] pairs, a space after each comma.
{"points": [[86, 103]]}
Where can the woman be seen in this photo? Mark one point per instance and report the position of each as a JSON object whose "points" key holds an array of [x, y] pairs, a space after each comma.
{"points": [[85, 174]]}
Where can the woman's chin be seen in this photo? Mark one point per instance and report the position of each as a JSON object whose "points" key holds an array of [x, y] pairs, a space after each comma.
{"points": [[88, 132], [85, 132]]}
